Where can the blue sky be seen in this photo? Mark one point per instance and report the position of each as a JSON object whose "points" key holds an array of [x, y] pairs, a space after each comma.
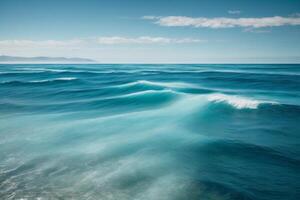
{"points": [[135, 31]]}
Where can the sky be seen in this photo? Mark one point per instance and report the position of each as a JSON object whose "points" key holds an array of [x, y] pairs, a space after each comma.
{"points": [[153, 31]]}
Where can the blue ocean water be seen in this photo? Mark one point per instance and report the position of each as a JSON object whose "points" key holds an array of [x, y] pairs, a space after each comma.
{"points": [[150, 132]]}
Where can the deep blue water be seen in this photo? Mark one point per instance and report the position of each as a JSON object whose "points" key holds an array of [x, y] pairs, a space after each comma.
{"points": [[150, 132]]}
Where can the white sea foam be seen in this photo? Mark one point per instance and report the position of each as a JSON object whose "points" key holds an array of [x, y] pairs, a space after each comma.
{"points": [[237, 101]]}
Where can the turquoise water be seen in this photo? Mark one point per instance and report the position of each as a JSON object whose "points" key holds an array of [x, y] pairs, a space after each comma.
{"points": [[146, 132]]}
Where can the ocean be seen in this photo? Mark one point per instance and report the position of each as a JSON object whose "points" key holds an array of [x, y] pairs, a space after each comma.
{"points": [[150, 132]]}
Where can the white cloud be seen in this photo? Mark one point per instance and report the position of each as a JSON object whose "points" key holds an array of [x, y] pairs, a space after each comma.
{"points": [[223, 22], [144, 40], [234, 12]]}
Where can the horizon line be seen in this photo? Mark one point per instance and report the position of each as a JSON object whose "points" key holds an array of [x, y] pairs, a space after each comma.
{"points": [[155, 63]]}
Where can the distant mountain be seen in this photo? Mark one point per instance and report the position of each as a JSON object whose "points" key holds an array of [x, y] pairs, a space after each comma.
{"points": [[43, 59]]}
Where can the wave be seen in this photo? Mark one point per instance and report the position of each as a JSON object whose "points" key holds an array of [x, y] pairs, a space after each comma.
{"points": [[147, 92], [142, 98], [41, 81], [153, 83], [196, 71], [55, 79], [43, 69], [253, 72], [143, 94], [248, 150], [32, 71], [132, 102], [237, 101]]}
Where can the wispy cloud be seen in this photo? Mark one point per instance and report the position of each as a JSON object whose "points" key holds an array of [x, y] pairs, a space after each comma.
{"points": [[111, 40], [224, 22], [234, 12], [144, 40], [150, 17], [256, 30], [83, 45]]}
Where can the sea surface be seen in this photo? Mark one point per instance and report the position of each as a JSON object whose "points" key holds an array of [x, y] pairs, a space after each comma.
{"points": [[149, 132]]}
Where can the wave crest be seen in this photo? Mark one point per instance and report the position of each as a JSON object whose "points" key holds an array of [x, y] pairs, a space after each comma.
{"points": [[161, 84], [55, 79], [237, 101], [40, 81]]}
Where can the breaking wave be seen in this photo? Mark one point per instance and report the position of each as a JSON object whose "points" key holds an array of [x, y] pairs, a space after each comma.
{"points": [[237, 101]]}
